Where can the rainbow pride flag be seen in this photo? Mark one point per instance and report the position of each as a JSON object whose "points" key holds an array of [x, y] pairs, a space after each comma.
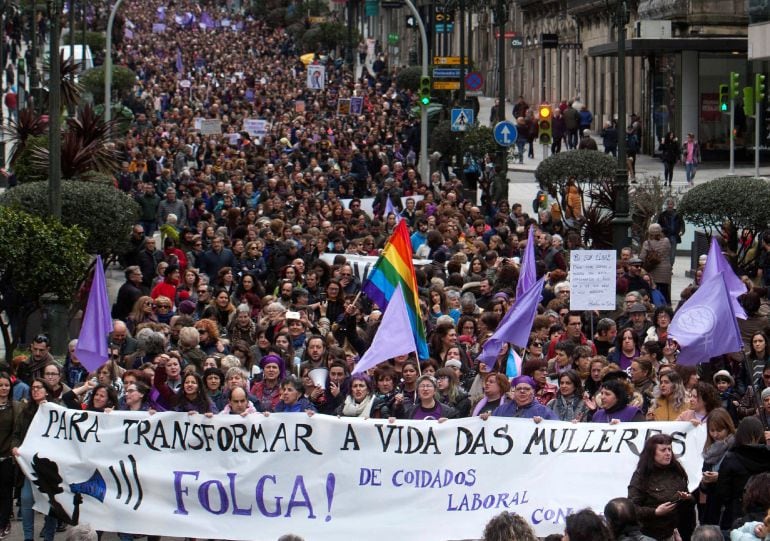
{"points": [[392, 268]]}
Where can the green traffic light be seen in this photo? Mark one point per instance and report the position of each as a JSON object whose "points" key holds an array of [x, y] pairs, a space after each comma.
{"points": [[425, 100], [723, 107]]}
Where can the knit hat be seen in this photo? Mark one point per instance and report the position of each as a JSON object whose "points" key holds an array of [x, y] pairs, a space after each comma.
{"points": [[453, 363], [523, 379], [724, 375], [272, 358], [186, 307]]}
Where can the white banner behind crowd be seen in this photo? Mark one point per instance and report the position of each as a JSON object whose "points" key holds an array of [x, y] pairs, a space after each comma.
{"points": [[326, 478]]}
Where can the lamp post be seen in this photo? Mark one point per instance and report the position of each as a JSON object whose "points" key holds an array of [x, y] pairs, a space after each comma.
{"points": [[33, 57], [501, 156], [54, 112], [2, 58], [108, 64], [621, 223]]}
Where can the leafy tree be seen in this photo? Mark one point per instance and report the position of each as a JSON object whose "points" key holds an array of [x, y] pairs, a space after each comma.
{"points": [[103, 213], [409, 78], [585, 166], [123, 80], [44, 257], [22, 166], [741, 201]]}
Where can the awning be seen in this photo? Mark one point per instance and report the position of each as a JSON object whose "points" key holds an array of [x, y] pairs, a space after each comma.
{"points": [[648, 46]]}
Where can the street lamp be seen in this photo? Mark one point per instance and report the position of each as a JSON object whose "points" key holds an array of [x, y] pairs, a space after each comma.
{"points": [[501, 156], [621, 223], [54, 112], [108, 64]]}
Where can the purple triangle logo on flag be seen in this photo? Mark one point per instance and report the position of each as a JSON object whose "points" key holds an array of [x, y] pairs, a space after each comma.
{"points": [[394, 336], [97, 322], [716, 263]]}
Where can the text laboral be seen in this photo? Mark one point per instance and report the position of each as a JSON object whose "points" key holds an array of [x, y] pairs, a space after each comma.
{"points": [[326, 478]]}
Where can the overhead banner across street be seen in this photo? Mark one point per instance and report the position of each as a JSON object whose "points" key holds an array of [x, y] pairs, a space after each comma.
{"points": [[329, 478]]}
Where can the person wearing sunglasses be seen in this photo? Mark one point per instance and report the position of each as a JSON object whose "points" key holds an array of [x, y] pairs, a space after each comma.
{"points": [[33, 367]]}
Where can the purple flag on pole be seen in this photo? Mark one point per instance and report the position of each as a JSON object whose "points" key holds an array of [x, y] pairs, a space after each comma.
{"points": [[390, 208], [527, 273], [128, 33], [161, 12], [516, 324], [716, 263], [97, 323], [158, 28], [705, 325], [394, 336], [179, 63]]}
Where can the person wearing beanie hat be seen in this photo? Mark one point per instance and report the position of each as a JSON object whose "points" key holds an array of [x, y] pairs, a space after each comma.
{"points": [[427, 406], [730, 400], [615, 396], [524, 404], [268, 391]]}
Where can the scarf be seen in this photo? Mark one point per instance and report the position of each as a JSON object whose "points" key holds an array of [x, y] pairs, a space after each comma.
{"points": [[351, 408], [713, 455]]}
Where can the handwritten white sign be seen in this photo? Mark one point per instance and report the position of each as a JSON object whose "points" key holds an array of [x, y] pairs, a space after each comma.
{"points": [[592, 280]]}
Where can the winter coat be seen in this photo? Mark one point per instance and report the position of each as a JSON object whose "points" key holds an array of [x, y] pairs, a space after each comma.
{"points": [[648, 493], [661, 274], [736, 469]]}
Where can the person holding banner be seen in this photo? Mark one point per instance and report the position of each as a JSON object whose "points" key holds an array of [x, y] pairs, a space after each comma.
{"points": [[427, 406], [360, 400], [658, 489], [10, 411], [292, 399], [615, 397], [524, 404], [39, 392]]}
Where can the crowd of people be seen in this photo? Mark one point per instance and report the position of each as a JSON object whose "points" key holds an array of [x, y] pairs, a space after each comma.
{"points": [[255, 288]]}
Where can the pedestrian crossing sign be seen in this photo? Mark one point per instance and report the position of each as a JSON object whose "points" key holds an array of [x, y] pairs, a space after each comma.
{"points": [[462, 119]]}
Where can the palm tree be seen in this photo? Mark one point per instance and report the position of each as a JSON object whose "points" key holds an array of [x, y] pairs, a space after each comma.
{"points": [[85, 146]]}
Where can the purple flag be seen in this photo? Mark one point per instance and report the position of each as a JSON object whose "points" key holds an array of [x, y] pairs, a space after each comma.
{"points": [[97, 322], [705, 325], [161, 12], [179, 63], [527, 273], [390, 208], [394, 336], [206, 20], [716, 263], [158, 28], [516, 324]]}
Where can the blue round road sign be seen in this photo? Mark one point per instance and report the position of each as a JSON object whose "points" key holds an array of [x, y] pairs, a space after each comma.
{"points": [[505, 133]]}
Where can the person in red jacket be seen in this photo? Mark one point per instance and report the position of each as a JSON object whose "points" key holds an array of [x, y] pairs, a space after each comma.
{"points": [[167, 288]]}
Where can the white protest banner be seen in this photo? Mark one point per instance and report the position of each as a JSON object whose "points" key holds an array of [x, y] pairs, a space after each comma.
{"points": [[211, 126], [316, 77], [592, 280], [327, 478], [256, 127]]}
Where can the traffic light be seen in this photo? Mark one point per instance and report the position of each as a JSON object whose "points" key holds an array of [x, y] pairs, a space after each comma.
{"points": [[748, 101], [735, 85], [424, 91], [724, 99], [545, 124], [759, 88]]}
